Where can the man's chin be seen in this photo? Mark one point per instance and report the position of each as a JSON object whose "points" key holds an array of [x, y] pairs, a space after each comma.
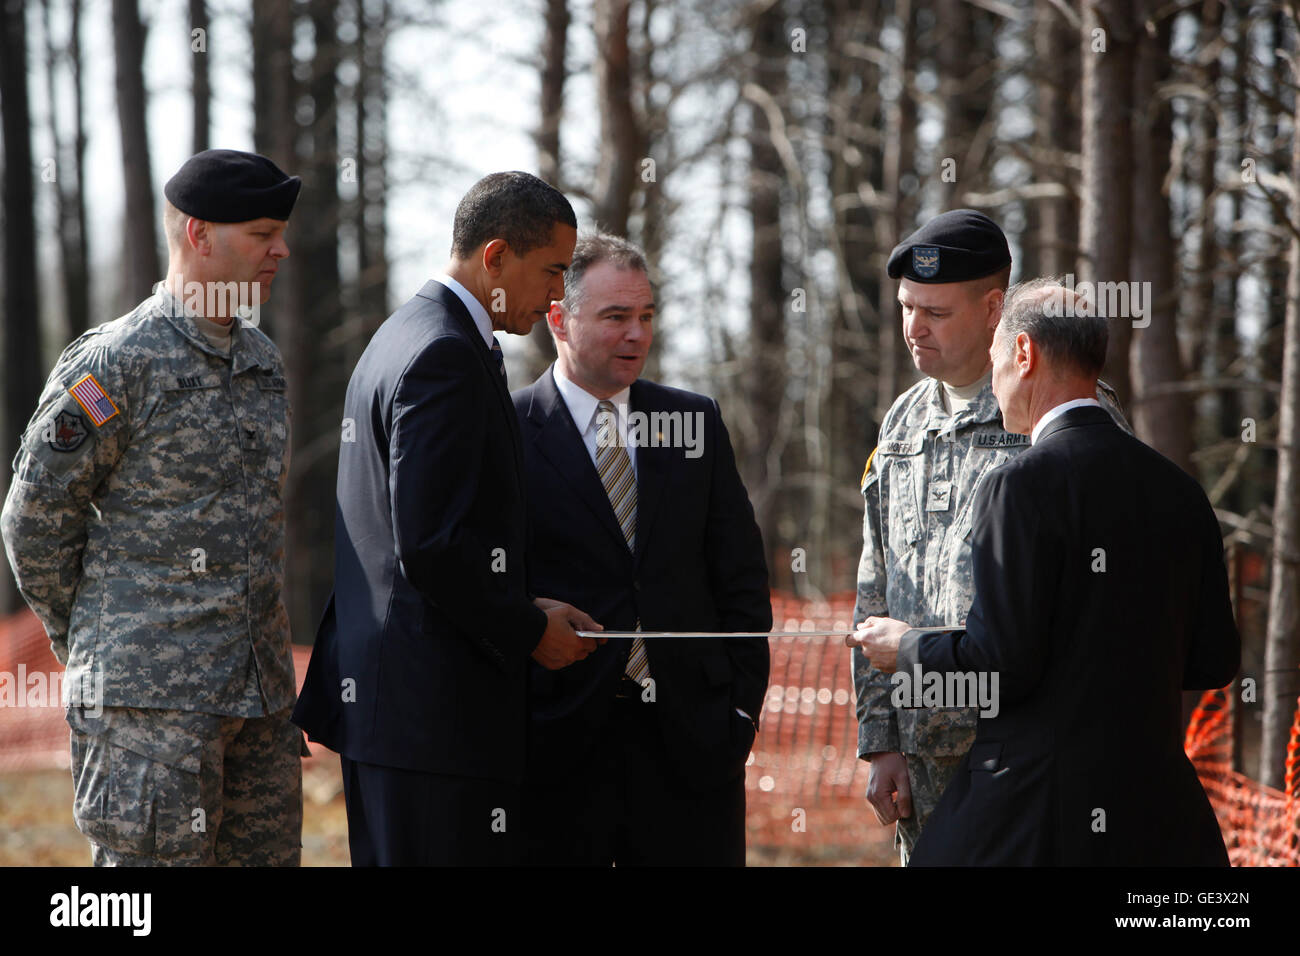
{"points": [[927, 363], [524, 324]]}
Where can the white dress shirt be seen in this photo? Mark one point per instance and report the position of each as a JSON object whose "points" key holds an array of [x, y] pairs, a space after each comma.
{"points": [[582, 407], [1057, 412], [476, 311]]}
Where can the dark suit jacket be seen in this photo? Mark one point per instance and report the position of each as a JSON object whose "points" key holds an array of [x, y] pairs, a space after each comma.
{"points": [[698, 566], [430, 617], [1091, 662]]}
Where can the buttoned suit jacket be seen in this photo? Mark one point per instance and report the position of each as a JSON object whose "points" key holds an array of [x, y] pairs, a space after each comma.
{"points": [[698, 565], [420, 659]]}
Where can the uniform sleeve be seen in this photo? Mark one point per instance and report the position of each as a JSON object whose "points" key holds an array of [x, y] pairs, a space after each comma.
{"points": [[877, 718], [70, 446]]}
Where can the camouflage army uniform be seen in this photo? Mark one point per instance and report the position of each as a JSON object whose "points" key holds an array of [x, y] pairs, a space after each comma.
{"points": [[919, 488], [145, 526]]}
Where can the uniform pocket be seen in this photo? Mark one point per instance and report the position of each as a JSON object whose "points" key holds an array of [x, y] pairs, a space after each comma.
{"points": [[275, 419], [133, 804], [898, 494], [191, 431]]}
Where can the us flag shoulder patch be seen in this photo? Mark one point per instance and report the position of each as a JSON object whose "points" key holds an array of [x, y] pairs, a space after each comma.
{"points": [[92, 398]]}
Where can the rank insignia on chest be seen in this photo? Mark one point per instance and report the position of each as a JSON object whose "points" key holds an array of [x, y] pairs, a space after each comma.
{"points": [[940, 496], [92, 398], [66, 433], [1000, 440]]}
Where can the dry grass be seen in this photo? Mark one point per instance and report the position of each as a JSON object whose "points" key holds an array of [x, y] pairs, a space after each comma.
{"points": [[36, 827]]}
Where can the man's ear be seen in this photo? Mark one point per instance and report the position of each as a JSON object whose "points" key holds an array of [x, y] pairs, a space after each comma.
{"points": [[993, 302], [555, 320], [493, 258], [199, 234], [1026, 357]]}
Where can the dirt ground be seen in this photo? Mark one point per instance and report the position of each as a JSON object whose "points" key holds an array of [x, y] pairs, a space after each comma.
{"points": [[36, 827]]}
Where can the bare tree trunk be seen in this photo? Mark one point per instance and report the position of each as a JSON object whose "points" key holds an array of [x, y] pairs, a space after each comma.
{"points": [[1056, 131], [78, 287], [202, 87], [372, 168], [1162, 421], [71, 209], [312, 368], [1197, 310], [142, 266], [1224, 346], [275, 127], [853, 157], [766, 378], [900, 142], [1282, 643], [961, 61], [659, 144], [554, 71], [622, 143], [22, 357], [274, 90], [555, 44], [1108, 42]]}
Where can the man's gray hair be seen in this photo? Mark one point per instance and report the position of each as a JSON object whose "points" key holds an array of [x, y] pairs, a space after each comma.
{"points": [[1058, 321], [593, 248]]}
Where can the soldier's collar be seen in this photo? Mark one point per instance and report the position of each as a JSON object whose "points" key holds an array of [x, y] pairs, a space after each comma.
{"points": [[174, 310], [982, 409]]}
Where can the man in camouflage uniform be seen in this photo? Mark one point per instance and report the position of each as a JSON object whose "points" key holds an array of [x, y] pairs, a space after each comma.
{"points": [[145, 526], [938, 440]]}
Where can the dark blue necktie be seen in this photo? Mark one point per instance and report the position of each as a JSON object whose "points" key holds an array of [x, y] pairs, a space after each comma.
{"points": [[501, 359]]}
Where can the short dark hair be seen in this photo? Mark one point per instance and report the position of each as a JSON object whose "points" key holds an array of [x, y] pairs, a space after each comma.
{"points": [[514, 206], [1057, 320], [593, 248]]}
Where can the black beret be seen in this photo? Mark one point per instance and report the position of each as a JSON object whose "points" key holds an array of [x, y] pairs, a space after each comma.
{"points": [[226, 185], [952, 247]]}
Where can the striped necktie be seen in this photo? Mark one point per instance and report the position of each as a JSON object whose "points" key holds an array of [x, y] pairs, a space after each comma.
{"points": [[500, 358], [614, 466]]}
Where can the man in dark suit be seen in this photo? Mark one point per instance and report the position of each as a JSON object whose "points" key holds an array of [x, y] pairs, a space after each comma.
{"points": [[638, 514], [1100, 595], [418, 674]]}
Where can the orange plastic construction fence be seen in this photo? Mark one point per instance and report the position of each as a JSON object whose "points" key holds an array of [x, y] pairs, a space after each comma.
{"points": [[804, 782]]}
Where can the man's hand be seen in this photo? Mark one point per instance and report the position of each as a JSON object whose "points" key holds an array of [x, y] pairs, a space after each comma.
{"points": [[888, 791], [560, 646], [879, 637]]}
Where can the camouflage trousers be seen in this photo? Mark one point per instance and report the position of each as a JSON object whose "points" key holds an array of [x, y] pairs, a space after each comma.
{"points": [[178, 788], [928, 777]]}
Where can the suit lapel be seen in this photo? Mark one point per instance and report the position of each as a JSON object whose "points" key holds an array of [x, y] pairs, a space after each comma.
{"points": [[651, 472], [561, 444]]}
